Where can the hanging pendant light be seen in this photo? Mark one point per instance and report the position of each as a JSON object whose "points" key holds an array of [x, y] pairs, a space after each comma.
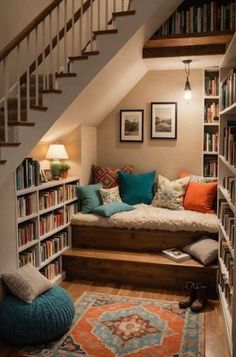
{"points": [[187, 88]]}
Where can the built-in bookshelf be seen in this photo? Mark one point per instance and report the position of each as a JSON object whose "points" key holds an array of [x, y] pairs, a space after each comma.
{"points": [[43, 212], [227, 192], [194, 17], [211, 122]]}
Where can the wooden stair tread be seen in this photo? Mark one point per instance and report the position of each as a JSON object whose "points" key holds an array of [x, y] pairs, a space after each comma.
{"points": [[39, 107], [105, 32], [131, 257], [48, 91], [7, 143], [65, 75], [123, 13], [75, 58], [2, 162], [21, 123], [91, 53]]}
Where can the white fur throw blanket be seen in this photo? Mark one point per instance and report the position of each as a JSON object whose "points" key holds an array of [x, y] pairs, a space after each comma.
{"points": [[149, 217]]}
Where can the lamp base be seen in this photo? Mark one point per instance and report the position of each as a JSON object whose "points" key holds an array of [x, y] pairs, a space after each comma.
{"points": [[56, 170]]}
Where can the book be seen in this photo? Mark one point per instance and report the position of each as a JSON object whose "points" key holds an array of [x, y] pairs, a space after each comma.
{"points": [[176, 255]]}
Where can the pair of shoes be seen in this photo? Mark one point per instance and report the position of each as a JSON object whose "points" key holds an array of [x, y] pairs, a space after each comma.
{"points": [[196, 300]]}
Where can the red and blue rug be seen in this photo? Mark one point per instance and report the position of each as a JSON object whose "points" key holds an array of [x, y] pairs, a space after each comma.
{"points": [[119, 326]]}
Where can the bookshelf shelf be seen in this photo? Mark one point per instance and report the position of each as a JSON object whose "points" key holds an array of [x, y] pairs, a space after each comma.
{"points": [[227, 193], [210, 122], [59, 202]]}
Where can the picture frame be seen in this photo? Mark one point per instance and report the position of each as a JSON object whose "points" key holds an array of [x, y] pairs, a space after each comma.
{"points": [[131, 125], [42, 176], [164, 120], [47, 174]]}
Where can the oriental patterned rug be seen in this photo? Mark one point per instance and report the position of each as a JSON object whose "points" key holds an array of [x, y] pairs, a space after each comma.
{"points": [[120, 326]]}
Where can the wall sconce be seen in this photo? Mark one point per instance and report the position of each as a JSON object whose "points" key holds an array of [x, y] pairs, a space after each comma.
{"points": [[56, 152], [187, 88]]}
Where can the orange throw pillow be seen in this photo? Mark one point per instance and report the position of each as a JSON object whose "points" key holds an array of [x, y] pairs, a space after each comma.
{"points": [[200, 196], [184, 174]]}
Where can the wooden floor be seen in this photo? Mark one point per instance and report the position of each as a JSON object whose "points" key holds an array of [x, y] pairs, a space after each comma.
{"points": [[216, 343]]}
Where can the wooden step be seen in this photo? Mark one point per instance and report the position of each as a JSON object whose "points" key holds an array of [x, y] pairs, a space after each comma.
{"points": [[123, 13], [49, 91], [65, 75], [21, 123], [39, 107], [139, 240], [142, 269], [2, 162], [78, 58], [105, 32], [4, 143], [91, 53]]}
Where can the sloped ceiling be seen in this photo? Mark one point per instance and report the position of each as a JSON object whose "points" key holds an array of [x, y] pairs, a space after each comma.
{"points": [[118, 77]]}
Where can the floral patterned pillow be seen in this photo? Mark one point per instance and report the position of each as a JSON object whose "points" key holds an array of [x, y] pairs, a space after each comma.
{"points": [[170, 193], [110, 195]]}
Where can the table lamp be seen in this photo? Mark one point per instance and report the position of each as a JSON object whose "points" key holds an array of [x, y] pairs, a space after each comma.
{"points": [[56, 152]]}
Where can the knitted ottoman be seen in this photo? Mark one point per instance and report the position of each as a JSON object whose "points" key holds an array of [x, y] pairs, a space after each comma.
{"points": [[48, 317]]}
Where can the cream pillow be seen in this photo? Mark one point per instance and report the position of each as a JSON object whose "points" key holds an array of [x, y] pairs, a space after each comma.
{"points": [[110, 195], [170, 193], [26, 283]]}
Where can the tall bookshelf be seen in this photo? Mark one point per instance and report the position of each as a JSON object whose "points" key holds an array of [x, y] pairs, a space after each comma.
{"points": [[211, 122], [43, 214], [227, 193]]}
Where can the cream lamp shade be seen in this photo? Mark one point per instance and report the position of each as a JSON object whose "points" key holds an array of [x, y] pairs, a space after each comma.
{"points": [[56, 152]]}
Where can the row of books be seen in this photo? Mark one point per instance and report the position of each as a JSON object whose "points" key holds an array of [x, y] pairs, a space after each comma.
{"points": [[27, 232], [210, 168], [228, 90], [53, 245], [211, 16], [70, 192], [51, 198], [226, 290], [28, 174], [212, 84], [53, 269], [51, 221], [229, 142], [211, 112], [211, 141], [26, 257], [26, 205], [227, 259], [69, 211], [226, 218], [229, 185]]}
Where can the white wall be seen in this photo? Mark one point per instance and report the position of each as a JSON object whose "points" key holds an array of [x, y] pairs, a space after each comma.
{"points": [[167, 157]]}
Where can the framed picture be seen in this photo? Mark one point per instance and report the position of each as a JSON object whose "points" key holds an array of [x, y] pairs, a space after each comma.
{"points": [[131, 125], [164, 120], [42, 176], [47, 175]]}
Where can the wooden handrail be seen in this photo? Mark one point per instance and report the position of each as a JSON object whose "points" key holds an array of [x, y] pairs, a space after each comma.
{"points": [[28, 29]]}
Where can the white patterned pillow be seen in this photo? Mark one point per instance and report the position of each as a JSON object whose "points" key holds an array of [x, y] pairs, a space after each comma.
{"points": [[170, 193], [110, 195]]}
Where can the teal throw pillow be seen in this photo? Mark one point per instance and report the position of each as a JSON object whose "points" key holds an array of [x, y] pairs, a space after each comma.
{"points": [[136, 188], [109, 209], [89, 197]]}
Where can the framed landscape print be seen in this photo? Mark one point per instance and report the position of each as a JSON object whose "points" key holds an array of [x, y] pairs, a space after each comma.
{"points": [[164, 120], [131, 125]]}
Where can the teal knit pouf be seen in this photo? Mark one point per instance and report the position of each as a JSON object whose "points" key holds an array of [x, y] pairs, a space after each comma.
{"points": [[48, 317]]}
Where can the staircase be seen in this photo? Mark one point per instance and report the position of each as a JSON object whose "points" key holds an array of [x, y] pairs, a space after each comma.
{"points": [[51, 61]]}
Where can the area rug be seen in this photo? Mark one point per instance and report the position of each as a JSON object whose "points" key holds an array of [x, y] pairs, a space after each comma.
{"points": [[108, 326]]}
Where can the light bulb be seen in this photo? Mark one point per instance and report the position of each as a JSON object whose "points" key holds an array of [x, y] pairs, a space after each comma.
{"points": [[187, 94]]}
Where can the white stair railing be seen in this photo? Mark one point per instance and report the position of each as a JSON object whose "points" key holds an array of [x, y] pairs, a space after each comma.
{"points": [[31, 63]]}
